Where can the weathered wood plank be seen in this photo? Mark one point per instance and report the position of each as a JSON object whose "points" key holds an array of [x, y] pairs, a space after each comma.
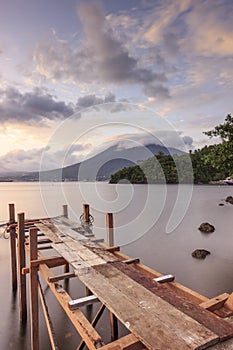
{"points": [[68, 231], [164, 279], [84, 253], [220, 327], [80, 322], [49, 230], [215, 303], [61, 277], [65, 251], [88, 300], [151, 319], [129, 342]]}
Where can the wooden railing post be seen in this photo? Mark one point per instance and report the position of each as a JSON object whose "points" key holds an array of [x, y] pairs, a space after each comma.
{"points": [[65, 210], [34, 315], [110, 230], [110, 243], [13, 247], [21, 265], [86, 213]]}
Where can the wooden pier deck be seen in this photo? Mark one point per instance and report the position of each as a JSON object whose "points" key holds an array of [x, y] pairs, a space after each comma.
{"points": [[159, 313]]}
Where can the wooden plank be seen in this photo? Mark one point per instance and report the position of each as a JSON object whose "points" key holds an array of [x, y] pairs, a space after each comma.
{"points": [[80, 322], [132, 261], [68, 231], [88, 300], [93, 323], [220, 327], [62, 276], [100, 251], [164, 279], [48, 229], [52, 261], [49, 325], [65, 251], [84, 253], [153, 321], [215, 303], [128, 342]]}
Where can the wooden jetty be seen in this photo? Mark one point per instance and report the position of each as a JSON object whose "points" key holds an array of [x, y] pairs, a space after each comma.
{"points": [[158, 312]]}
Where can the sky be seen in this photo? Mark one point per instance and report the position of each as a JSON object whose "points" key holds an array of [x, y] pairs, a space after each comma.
{"points": [[77, 76]]}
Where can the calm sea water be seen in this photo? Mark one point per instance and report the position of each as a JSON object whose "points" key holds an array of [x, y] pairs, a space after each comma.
{"points": [[158, 224]]}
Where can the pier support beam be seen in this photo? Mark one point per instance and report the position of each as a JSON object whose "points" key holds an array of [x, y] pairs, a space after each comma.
{"points": [[13, 247], [86, 213], [21, 265], [110, 231], [110, 243], [34, 315], [65, 210]]}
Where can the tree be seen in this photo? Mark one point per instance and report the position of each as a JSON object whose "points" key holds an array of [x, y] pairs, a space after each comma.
{"points": [[221, 155]]}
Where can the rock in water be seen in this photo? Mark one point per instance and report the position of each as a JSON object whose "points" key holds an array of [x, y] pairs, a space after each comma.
{"points": [[229, 199], [200, 253], [206, 227], [221, 204]]}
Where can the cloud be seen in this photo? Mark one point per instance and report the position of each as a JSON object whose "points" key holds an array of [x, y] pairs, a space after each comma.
{"points": [[166, 138], [210, 29], [92, 100], [33, 106], [102, 59], [30, 159], [21, 160]]}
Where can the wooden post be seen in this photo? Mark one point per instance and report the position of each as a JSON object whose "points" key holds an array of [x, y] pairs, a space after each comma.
{"points": [[13, 247], [86, 213], [110, 243], [34, 315], [110, 232], [114, 327], [66, 267], [65, 210], [11, 213], [21, 265]]}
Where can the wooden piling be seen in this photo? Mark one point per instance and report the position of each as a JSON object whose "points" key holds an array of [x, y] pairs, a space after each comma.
{"points": [[65, 210], [13, 247], [86, 213], [11, 213], [113, 326], [66, 268], [110, 243], [34, 315], [21, 265], [110, 231]]}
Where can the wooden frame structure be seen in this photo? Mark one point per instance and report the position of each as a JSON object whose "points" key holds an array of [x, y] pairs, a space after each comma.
{"points": [[159, 312]]}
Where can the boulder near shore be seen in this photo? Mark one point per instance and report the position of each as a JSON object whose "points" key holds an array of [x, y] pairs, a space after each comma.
{"points": [[229, 199], [200, 253], [205, 227]]}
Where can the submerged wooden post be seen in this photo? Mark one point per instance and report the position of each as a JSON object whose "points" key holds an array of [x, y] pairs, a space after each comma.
{"points": [[113, 326], [65, 214], [86, 213], [21, 265], [65, 210], [34, 315], [110, 231], [13, 247], [110, 243]]}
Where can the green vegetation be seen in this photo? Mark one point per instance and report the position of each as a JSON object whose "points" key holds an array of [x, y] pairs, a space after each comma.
{"points": [[211, 163]]}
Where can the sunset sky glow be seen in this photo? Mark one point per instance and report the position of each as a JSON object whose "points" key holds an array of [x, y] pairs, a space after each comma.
{"points": [[172, 58]]}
